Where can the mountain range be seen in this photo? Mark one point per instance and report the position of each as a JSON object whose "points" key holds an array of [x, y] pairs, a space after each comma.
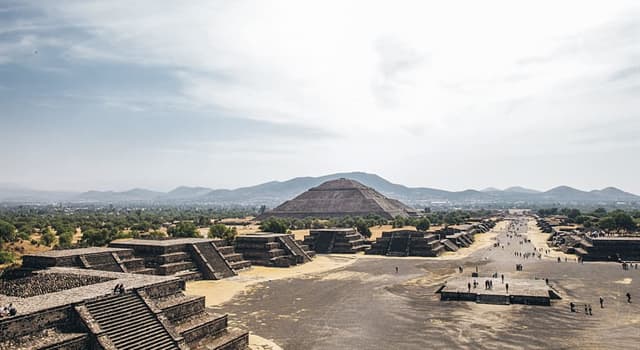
{"points": [[274, 192]]}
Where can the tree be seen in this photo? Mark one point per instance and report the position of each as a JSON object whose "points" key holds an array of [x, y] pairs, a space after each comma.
{"points": [[600, 212], [6, 257], [7, 232], [97, 237], [363, 228], [65, 239], [47, 238], [183, 229], [222, 231], [423, 224], [274, 225]]}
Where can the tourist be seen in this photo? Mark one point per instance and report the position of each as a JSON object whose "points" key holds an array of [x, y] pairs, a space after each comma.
{"points": [[506, 286], [601, 302], [628, 297], [469, 287], [502, 276], [586, 310], [12, 310], [396, 269], [572, 306], [590, 314]]}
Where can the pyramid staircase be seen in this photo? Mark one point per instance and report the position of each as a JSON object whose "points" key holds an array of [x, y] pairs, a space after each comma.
{"points": [[196, 326], [128, 323], [211, 262], [295, 249]]}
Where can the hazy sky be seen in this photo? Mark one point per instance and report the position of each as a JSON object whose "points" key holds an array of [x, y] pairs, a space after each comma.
{"points": [[444, 94]]}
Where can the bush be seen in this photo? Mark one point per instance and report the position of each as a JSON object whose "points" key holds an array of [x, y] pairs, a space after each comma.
{"points": [[6, 257], [7, 232], [221, 231], [23, 236], [65, 239], [274, 225], [184, 229], [423, 224], [47, 238]]}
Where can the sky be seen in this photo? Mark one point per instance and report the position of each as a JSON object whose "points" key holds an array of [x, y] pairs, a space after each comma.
{"points": [[448, 94]]}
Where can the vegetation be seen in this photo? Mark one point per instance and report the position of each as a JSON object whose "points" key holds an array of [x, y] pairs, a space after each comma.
{"points": [[183, 229], [222, 231], [7, 232], [276, 225], [48, 237], [599, 218], [6, 257]]}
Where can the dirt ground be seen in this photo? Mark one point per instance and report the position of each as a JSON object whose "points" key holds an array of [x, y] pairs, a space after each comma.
{"points": [[362, 303]]}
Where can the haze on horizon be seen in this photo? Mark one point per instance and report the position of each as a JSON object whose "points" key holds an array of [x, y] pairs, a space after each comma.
{"points": [[456, 95]]}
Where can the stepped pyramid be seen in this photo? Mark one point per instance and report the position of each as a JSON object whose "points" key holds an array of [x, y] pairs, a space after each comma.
{"points": [[337, 198]]}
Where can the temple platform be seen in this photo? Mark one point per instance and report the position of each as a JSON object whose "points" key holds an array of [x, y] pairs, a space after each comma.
{"points": [[521, 291]]}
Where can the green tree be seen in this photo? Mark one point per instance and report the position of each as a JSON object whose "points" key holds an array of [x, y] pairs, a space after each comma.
{"points": [[222, 231], [423, 224], [363, 228], [184, 229], [6, 257], [7, 232], [65, 239], [274, 225], [48, 237], [97, 237]]}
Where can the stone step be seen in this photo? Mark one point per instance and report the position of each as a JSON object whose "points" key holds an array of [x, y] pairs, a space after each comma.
{"points": [[129, 323], [172, 268], [233, 257], [239, 265], [229, 339], [200, 326], [189, 275]]}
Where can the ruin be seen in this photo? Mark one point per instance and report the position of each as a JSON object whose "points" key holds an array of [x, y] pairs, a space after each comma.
{"points": [[338, 198], [273, 249], [73, 308], [186, 258], [407, 243], [336, 240], [520, 291]]}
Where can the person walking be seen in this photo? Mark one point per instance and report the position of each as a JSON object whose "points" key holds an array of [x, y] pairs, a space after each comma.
{"points": [[628, 297], [396, 269], [601, 302], [506, 286]]}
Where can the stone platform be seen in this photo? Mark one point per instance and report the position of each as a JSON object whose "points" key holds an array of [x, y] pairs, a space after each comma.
{"points": [[71, 308], [273, 249], [521, 291]]}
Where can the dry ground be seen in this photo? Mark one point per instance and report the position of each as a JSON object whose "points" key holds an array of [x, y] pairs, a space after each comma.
{"points": [[362, 303]]}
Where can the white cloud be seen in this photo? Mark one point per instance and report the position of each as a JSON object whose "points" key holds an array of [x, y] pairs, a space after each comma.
{"points": [[405, 79]]}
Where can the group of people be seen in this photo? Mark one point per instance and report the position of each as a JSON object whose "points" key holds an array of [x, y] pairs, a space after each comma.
{"points": [[8, 310], [587, 307], [118, 289], [628, 266]]}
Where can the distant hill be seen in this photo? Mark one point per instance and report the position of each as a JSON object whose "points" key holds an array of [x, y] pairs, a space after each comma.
{"points": [[275, 192], [518, 189]]}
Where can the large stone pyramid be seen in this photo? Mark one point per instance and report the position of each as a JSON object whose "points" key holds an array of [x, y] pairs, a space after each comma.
{"points": [[338, 198]]}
